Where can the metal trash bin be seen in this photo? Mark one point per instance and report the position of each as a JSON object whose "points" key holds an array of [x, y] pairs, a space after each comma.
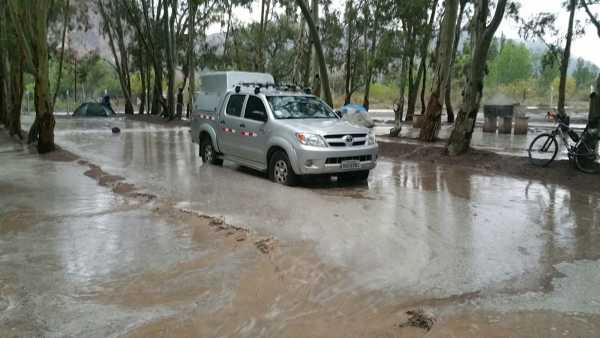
{"points": [[505, 112], [506, 125], [521, 125], [490, 124]]}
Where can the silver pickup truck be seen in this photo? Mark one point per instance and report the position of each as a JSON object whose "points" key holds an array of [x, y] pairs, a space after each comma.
{"points": [[285, 133]]}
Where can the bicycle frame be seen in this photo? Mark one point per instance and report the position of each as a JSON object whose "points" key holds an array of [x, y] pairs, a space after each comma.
{"points": [[562, 131]]}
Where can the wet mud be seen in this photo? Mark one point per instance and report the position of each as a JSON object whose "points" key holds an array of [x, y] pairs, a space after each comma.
{"points": [[560, 172], [85, 252]]}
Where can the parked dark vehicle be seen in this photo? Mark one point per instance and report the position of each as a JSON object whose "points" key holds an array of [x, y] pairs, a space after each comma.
{"points": [[93, 109]]}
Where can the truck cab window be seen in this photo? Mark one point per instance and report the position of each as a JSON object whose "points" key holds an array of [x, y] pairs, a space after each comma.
{"points": [[255, 109], [235, 104]]}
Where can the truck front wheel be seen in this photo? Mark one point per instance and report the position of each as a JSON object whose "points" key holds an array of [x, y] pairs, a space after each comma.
{"points": [[281, 171], [208, 153]]}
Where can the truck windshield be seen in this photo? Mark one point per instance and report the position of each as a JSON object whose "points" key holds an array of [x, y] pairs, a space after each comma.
{"points": [[299, 107]]}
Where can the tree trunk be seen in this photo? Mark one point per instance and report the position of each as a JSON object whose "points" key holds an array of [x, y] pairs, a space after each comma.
{"points": [[16, 85], [423, 89], [259, 67], [227, 31], [481, 36], [62, 50], [3, 66], [422, 71], [348, 74], [142, 71], [320, 56], [564, 66], [33, 19], [298, 54], [413, 85], [169, 31], [367, 89], [192, 55], [158, 101], [314, 9], [433, 115], [264, 12], [348, 54], [149, 86], [3, 95], [306, 59], [399, 109], [113, 26], [142, 106], [449, 108], [371, 56], [43, 101], [420, 77]]}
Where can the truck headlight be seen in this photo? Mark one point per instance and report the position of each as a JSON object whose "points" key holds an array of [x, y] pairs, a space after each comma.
{"points": [[371, 140], [311, 140]]}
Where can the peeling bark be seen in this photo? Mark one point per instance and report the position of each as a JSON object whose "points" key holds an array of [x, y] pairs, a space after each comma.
{"points": [[481, 36], [433, 115], [399, 109], [448, 99]]}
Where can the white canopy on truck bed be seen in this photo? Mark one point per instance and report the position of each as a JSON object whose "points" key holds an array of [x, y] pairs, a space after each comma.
{"points": [[214, 85]]}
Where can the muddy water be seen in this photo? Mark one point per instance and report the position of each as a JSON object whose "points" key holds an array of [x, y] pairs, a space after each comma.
{"points": [[463, 243], [415, 228]]}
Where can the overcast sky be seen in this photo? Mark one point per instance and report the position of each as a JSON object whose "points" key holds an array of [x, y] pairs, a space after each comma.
{"points": [[585, 46]]}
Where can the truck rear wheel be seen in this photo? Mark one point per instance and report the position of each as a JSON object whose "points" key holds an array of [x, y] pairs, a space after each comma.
{"points": [[281, 171], [208, 153]]}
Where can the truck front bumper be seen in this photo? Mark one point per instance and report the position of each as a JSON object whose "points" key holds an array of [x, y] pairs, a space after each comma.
{"points": [[331, 160]]}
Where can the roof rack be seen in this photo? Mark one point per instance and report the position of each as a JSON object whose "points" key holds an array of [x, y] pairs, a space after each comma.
{"points": [[258, 86]]}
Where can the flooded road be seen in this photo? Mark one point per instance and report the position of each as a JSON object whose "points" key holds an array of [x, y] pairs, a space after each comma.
{"points": [[476, 248]]}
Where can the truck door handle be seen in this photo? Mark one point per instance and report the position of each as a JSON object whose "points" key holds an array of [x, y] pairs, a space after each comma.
{"points": [[242, 125], [222, 121]]}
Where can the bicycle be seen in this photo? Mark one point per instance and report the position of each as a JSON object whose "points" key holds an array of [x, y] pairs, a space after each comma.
{"points": [[582, 150]]}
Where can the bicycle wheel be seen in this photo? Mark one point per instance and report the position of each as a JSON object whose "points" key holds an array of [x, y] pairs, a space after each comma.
{"points": [[587, 160], [543, 150]]}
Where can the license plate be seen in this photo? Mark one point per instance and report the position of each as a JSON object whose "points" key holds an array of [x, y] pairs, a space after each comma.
{"points": [[351, 165]]}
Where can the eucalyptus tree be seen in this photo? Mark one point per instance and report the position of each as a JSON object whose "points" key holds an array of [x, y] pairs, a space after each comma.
{"points": [[417, 24], [459, 30], [149, 21], [116, 29], [421, 31], [353, 26], [30, 21], [481, 37], [11, 76], [315, 38], [564, 66], [375, 16], [195, 19], [433, 115]]}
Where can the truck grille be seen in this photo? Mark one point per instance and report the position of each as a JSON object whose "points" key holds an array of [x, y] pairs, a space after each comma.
{"points": [[343, 140], [338, 160]]}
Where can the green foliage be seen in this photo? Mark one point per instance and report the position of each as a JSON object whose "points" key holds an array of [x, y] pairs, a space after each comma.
{"points": [[512, 64], [584, 74], [519, 90], [571, 86], [95, 76], [547, 74]]}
